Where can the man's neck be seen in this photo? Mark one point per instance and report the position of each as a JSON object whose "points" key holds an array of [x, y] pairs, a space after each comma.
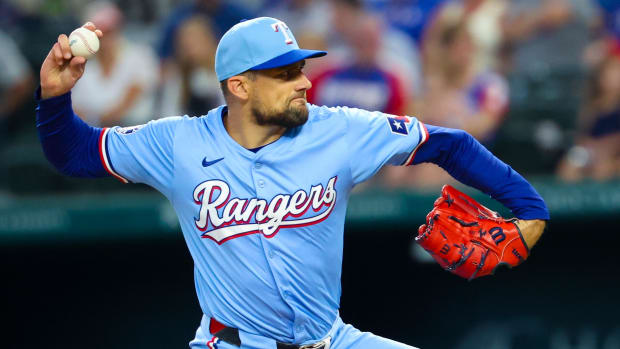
{"points": [[242, 127]]}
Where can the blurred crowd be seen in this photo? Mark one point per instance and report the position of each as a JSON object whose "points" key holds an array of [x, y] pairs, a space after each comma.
{"points": [[535, 81]]}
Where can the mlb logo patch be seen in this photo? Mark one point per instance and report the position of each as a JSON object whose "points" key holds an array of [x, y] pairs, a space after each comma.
{"points": [[129, 130], [398, 124]]}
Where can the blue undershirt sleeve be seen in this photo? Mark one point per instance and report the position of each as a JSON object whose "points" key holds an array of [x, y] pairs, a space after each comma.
{"points": [[471, 163], [69, 143]]}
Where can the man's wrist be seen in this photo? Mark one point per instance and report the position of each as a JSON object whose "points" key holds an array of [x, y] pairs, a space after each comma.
{"points": [[40, 95], [47, 94], [531, 230]]}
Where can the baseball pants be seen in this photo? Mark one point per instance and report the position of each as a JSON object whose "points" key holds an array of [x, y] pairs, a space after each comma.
{"points": [[343, 337]]}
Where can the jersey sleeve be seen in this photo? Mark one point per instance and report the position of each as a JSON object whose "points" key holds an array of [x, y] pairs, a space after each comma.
{"points": [[141, 154], [376, 139]]}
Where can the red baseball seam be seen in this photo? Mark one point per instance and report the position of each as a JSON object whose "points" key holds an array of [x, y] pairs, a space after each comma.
{"points": [[85, 42]]}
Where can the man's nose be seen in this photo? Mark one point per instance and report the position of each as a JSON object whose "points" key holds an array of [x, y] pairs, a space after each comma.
{"points": [[304, 83]]}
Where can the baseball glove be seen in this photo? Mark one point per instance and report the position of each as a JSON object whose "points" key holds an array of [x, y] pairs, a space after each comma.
{"points": [[468, 239]]}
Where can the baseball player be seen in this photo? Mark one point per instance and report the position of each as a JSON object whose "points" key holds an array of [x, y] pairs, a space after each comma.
{"points": [[260, 186]]}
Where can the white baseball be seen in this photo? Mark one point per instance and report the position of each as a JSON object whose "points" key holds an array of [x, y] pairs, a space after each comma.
{"points": [[83, 42]]}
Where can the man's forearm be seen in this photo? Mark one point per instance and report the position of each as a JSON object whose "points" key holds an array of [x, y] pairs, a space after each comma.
{"points": [[471, 163], [68, 143]]}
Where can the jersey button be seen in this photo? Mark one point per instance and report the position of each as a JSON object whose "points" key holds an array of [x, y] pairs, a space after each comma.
{"points": [[271, 254], [261, 183], [299, 328], [258, 165], [287, 294]]}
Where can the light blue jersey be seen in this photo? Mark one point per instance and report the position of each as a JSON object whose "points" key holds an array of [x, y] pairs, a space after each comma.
{"points": [[265, 229]]}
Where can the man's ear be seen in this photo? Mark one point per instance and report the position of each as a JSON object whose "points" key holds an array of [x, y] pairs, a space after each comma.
{"points": [[238, 86]]}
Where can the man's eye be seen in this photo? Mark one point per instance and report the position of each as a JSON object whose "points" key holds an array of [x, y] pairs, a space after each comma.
{"points": [[289, 74], [292, 73]]}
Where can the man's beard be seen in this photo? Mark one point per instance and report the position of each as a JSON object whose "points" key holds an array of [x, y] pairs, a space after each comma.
{"points": [[288, 118]]}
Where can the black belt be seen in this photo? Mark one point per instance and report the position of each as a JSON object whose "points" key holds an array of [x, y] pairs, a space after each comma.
{"points": [[230, 335]]}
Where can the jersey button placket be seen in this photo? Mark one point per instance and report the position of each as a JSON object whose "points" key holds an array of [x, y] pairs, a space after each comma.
{"points": [[260, 183], [273, 262]]}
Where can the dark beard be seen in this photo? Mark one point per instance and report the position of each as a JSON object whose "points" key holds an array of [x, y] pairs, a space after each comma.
{"points": [[289, 118]]}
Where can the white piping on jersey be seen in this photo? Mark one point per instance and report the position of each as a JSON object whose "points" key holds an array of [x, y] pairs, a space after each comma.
{"points": [[423, 138], [103, 152]]}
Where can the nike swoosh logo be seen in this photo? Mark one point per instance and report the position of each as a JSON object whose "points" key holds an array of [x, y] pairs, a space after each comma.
{"points": [[206, 163]]}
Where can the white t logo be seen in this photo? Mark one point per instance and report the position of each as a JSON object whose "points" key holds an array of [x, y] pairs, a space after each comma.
{"points": [[281, 27]]}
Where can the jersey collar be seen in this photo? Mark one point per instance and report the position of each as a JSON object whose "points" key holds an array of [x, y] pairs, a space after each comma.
{"points": [[218, 122]]}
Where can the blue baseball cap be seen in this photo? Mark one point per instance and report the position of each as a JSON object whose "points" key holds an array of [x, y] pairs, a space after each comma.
{"points": [[259, 43]]}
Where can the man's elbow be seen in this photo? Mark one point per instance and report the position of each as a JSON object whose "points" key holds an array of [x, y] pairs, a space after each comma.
{"points": [[72, 166]]}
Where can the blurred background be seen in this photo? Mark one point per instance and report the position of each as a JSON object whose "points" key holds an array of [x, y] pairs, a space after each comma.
{"points": [[93, 263]]}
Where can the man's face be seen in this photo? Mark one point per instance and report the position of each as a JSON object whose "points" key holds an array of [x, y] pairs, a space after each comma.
{"points": [[278, 96]]}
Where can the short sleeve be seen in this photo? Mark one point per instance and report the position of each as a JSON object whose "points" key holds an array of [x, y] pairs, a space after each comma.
{"points": [[376, 139], [141, 154]]}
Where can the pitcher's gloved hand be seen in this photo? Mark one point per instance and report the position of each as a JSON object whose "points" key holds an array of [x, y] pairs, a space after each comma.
{"points": [[468, 239]]}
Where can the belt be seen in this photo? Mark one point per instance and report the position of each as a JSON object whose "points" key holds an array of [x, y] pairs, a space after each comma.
{"points": [[230, 335]]}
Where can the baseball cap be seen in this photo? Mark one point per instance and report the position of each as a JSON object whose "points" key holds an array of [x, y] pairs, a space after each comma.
{"points": [[259, 43]]}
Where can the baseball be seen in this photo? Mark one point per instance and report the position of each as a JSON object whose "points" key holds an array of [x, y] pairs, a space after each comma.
{"points": [[83, 42]]}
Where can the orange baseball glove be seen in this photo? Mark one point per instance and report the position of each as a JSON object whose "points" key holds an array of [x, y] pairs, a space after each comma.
{"points": [[468, 239]]}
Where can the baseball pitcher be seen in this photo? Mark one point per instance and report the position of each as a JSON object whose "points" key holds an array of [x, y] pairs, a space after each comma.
{"points": [[260, 186]]}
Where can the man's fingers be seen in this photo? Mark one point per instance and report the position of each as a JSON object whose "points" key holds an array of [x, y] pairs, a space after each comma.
{"points": [[90, 26], [63, 41], [57, 54], [77, 66], [77, 61]]}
